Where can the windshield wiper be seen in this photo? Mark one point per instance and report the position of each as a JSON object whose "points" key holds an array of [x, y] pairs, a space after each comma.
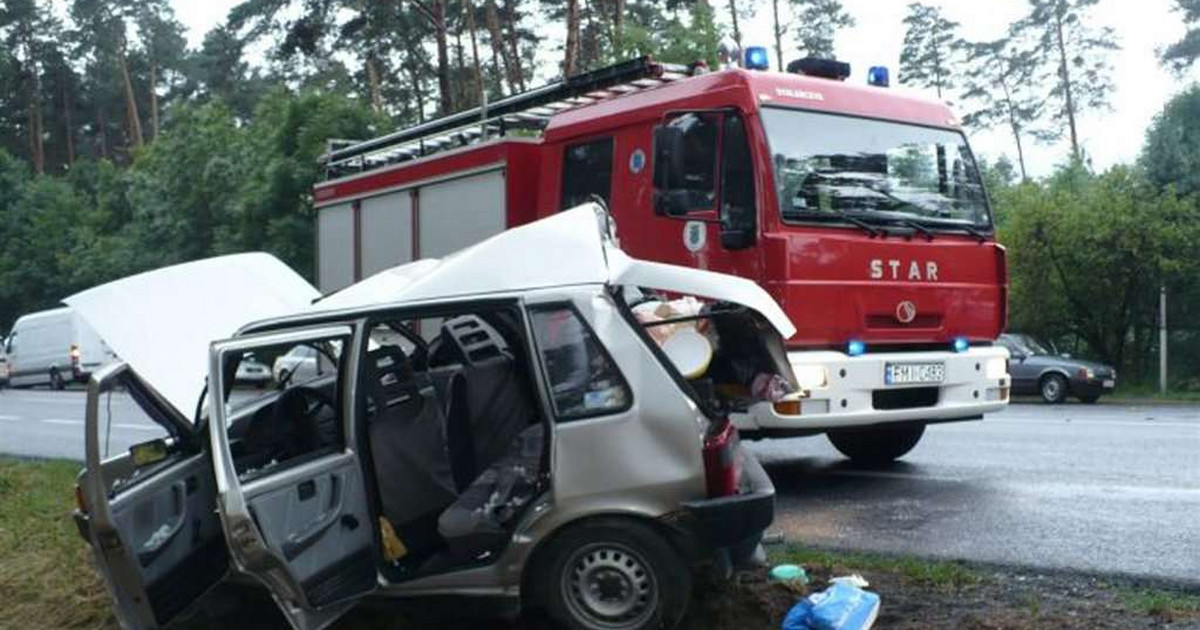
{"points": [[918, 227], [974, 232], [836, 214]]}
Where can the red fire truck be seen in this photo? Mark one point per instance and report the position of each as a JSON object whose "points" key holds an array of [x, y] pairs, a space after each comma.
{"points": [[858, 208]]}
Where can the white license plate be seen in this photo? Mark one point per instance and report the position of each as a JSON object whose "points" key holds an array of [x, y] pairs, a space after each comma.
{"points": [[1109, 383], [913, 373]]}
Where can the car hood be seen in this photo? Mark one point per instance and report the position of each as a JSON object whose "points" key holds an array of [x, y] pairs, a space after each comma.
{"points": [[162, 322]]}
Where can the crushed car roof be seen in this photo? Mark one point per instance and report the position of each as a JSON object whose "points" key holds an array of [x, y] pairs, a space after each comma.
{"points": [[162, 322]]}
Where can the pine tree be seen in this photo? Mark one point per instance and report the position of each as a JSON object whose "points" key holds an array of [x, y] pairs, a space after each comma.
{"points": [[1180, 55], [1073, 58], [932, 48], [818, 22], [999, 89]]}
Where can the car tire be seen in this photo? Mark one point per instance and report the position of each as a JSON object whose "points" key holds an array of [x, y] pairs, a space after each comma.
{"points": [[1089, 400], [877, 445], [1053, 388], [612, 574], [56, 380]]}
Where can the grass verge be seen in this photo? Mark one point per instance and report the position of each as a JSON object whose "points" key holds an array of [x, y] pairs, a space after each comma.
{"points": [[46, 576]]}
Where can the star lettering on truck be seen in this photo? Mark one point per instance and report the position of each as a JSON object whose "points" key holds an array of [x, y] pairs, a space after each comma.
{"points": [[893, 269]]}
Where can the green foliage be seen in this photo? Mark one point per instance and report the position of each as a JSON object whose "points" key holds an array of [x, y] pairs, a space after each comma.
{"points": [[1171, 155], [932, 48], [1088, 254], [1180, 55]]}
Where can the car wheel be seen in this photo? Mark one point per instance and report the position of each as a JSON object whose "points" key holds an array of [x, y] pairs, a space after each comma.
{"points": [[1053, 388], [1089, 400], [613, 574], [877, 445], [56, 380]]}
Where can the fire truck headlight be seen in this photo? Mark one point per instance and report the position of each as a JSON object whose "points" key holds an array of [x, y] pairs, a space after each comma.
{"points": [[811, 376], [756, 58], [997, 368]]}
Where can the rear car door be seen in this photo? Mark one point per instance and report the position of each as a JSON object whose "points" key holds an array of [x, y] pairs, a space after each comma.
{"points": [[290, 487], [149, 512]]}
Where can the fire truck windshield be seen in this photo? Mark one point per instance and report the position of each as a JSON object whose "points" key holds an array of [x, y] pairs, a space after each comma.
{"points": [[830, 167]]}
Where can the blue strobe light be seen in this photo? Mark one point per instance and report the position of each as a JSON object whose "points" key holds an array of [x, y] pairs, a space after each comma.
{"points": [[878, 76], [856, 348], [961, 344], [756, 58]]}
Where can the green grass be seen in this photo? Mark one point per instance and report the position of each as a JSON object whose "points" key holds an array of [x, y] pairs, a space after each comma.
{"points": [[46, 575], [943, 574], [1161, 602]]}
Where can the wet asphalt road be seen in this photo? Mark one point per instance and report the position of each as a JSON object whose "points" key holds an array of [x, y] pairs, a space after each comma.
{"points": [[1107, 488], [1103, 487]]}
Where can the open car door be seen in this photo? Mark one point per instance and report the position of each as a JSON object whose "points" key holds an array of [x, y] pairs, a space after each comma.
{"points": [[290, 488], [150, 512]]}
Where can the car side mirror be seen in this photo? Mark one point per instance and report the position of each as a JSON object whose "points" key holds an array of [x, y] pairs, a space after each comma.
{"points": [[148, 453]]}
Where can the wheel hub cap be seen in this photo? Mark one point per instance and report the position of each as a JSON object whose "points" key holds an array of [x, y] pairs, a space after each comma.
{"points": [[609, 586]]}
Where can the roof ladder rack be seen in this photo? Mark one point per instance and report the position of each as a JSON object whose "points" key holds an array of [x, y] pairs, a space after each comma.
{"points": [[530, 110]]}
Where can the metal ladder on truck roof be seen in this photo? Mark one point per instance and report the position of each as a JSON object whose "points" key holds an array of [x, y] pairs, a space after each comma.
{"points": [[528, 111]]}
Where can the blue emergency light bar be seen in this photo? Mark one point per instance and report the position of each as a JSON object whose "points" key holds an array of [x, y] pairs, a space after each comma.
{"points": [[755, 58], [856, 348], [878, 76], [961, 344]]}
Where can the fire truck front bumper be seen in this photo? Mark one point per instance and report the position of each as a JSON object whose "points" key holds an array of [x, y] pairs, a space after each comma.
{"points": [[885, 387]]}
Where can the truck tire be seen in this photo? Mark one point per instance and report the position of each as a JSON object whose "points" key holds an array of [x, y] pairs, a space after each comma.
{"points": [[1053, 388], [612, 574], [877, 445], [56, 380]]}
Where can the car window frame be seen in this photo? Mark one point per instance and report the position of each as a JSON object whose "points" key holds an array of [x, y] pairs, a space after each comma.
{"points": [[547, 385]]}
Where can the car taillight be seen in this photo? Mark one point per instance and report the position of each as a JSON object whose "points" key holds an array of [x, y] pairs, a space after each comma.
{"points": [[722, 459], [79, 502]]}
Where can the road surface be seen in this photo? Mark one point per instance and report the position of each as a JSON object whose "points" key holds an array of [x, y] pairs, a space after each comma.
{"points": [[1097, 487]]}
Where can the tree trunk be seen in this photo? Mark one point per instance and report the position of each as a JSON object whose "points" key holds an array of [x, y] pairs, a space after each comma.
{"points": [[415, 74], [131, 109], [102, 127], [68, 124], [619, 27], [1015, 125], [154, 99], [1065, 76], [733, 16], [778, 31], [469, 5], [37, 146], [571, 49], [499, 50], [373, 79], [514, 43], [435, 12]]}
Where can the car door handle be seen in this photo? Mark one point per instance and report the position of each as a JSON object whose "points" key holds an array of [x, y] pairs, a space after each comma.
{"points": [[162, 537], [307, 536]]}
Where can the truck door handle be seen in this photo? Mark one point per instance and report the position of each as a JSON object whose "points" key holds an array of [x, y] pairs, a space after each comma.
{"points": [[162, 537], [308, 535]]}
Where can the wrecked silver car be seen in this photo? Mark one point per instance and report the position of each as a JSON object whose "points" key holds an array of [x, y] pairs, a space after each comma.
{"points": [[537, 420]]}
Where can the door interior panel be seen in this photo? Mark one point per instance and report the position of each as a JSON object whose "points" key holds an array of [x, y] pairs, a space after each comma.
{"points": [[172, 533], [321, 526]]}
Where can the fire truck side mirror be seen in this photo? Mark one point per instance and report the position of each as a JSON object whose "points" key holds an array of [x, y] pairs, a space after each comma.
{"points": [[669, 172]]}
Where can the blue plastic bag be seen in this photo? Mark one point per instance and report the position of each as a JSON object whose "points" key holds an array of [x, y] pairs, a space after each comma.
{"points": [[842, 606]]}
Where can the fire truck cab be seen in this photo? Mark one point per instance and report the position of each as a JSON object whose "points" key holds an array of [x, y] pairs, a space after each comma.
{"points": [[859, 209]]}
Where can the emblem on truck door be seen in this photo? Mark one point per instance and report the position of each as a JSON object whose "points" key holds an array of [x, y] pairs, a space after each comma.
{"points": [[906, 312]]}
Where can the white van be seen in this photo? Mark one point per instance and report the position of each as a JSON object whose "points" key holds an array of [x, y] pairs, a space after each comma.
{"points": [[53, 347]]}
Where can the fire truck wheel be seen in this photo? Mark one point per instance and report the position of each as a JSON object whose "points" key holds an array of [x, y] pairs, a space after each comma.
{"points": [[876, 445], [612, 574], [56, 380]]}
